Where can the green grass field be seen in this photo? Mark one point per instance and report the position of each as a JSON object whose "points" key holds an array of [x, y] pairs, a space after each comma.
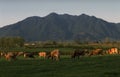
{"points": [[95, 66]]}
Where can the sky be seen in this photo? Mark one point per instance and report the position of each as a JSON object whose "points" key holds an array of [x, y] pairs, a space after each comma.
{"points": [[12, 11]]}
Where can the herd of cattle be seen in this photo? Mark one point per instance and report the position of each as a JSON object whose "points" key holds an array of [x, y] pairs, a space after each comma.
{"points": [[55, 54]]}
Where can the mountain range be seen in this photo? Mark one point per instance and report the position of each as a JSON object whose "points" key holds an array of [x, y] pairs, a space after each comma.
{"points": [[62, 27]]}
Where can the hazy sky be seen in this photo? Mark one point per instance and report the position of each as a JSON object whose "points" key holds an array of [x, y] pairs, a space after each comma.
{"points": [[12, 11]]}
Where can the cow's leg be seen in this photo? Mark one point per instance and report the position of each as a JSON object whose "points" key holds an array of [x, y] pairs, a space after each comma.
{"points": [[52, 57], [57, 58]]}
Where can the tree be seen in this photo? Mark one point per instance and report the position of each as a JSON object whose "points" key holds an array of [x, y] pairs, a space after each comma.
{"points": [[8, 42]]}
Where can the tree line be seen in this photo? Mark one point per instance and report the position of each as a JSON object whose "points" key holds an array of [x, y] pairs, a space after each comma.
{"points": [[8, 42]]}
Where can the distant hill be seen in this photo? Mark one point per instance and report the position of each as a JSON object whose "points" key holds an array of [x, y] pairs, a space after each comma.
{"points": [[62, 27]]}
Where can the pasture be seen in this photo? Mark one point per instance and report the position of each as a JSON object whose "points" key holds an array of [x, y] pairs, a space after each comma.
{"points": [[94, 66]]}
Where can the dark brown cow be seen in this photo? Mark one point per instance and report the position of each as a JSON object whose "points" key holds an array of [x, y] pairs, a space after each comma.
{"points": [[28, 55], [96, 52], [54, 55], [78, 53]]}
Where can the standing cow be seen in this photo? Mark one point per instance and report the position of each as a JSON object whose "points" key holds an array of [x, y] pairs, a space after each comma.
{"points": [[54, 55]]}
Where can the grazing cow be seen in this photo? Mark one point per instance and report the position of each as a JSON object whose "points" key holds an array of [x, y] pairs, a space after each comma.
{"points": [[10, 55], [55, 54], [112, 51], [78, 53], [96, 52], [20, 53], [28, 55], [42, 54]]}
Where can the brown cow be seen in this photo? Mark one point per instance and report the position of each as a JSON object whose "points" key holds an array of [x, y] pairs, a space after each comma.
{"points": [[112, 51], [55, 54], [10, 55], [96, 52], [42, 54], [78, 53]]}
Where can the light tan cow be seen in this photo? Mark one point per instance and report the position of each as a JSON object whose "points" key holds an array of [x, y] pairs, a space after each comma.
{"points": [[112, 51], [42, 54], [20, 53], [2, 54], [55, 54]]}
